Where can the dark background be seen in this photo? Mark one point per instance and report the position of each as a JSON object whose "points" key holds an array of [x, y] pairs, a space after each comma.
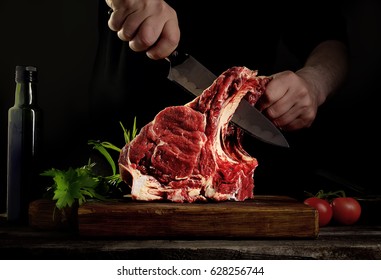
{"points": [[60, 38]]}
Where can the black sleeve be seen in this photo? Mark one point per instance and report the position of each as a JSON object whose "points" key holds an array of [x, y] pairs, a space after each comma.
{"points": [[126, 84], [308, 24]]}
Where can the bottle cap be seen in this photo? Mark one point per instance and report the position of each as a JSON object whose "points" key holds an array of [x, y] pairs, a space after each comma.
{"points": [[26, 74]]}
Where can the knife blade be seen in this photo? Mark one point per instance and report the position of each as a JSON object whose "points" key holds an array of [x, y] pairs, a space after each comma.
{"points": [[190, 74]]}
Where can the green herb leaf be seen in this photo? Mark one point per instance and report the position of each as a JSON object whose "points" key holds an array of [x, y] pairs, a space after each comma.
{"points": [[72, 185], [101, 147], [129, 135], [81, 183]]}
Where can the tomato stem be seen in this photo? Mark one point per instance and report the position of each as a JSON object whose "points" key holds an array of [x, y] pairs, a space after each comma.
{"points": [[327, 195]]}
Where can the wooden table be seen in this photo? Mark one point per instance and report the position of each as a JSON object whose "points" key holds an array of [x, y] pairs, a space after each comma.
{"points": [[333, 242]]}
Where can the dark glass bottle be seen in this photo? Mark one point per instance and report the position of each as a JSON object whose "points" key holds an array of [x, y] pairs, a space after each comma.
{"points": [[24, 136]]}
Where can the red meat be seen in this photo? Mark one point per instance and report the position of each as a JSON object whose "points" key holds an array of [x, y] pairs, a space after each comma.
{"points": [[193, 153]]}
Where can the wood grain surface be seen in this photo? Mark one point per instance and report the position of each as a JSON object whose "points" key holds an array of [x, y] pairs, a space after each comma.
{"points": [[262, 217]]}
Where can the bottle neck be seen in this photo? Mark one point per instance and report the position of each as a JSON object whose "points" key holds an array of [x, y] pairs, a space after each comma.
{"points": [[26, 94]]}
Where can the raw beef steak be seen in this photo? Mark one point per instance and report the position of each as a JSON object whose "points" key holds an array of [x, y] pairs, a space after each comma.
{"points": [[193, 153]]}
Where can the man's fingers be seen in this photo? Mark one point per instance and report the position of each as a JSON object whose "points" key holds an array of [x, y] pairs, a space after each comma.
{"points": [[167, 43], [156, 32]]}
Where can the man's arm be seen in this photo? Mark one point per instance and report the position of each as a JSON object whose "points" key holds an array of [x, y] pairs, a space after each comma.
{"points": [[326, 68]]}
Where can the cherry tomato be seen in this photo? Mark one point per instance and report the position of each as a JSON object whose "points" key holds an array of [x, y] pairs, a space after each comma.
{"points": [[346, 210], [323, 207]]}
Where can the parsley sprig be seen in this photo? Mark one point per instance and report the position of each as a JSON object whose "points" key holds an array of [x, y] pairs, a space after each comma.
{"points": [[73, 184], [79, 184]]}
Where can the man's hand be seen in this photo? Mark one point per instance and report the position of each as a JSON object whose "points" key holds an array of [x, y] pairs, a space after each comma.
{"points": [[291, 99], [148, 25], [290, 102]]}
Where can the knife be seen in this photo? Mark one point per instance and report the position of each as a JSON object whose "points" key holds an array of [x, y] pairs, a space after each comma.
{"points": [[190, 74]]}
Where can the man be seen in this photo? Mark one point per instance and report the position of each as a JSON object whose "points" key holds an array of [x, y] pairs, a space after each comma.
{"points": [[130, 76]]}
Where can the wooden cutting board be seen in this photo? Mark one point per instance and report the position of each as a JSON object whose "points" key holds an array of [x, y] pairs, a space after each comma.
{"points": [[262, 217]]}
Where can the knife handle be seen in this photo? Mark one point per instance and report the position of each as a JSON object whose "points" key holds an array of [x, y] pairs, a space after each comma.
{"points": [[177, 57]]}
